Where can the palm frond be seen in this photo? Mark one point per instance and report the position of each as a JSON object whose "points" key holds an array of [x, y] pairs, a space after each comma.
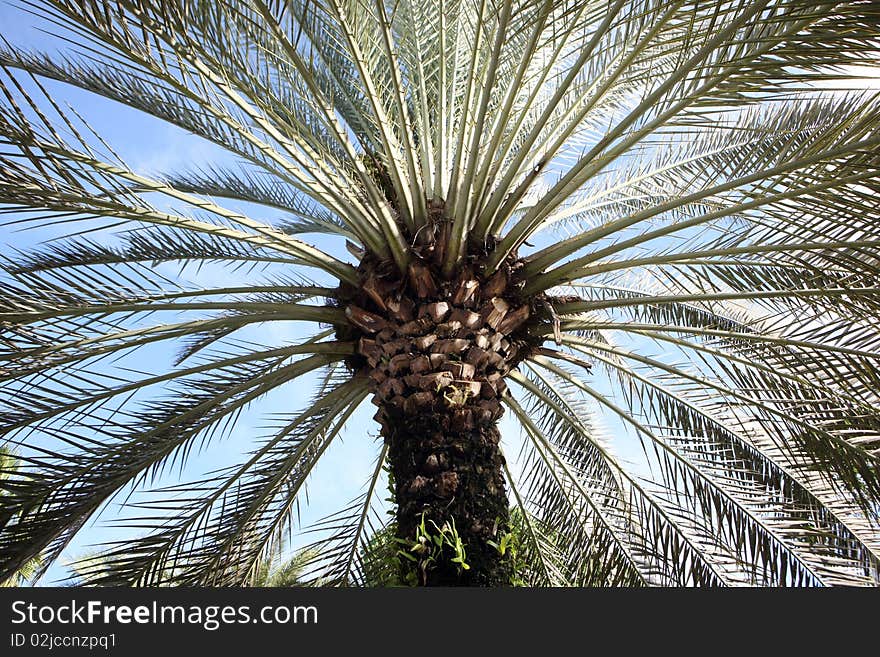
{"points": [[224, 526], [344, 556]]}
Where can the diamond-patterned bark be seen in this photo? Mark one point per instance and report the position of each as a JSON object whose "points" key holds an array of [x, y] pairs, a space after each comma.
{"points": [[436, 353]]}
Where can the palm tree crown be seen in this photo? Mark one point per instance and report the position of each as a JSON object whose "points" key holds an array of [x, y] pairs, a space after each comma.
{"points": [[659, 215]]}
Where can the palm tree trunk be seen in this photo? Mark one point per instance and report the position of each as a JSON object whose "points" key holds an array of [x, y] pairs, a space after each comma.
{"points": [[436, 352], [449, 486]]}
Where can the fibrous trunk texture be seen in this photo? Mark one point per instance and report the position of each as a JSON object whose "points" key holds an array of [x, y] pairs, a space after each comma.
{"points": [[449, 483], [436, 352]]}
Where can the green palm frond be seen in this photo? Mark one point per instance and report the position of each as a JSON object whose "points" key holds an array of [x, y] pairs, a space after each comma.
{"points": [[346, 555], [683, 195]]}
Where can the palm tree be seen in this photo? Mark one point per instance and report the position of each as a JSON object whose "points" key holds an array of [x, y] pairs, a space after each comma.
{"points": [[660, 216], [276, 570], [27, 572]]}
